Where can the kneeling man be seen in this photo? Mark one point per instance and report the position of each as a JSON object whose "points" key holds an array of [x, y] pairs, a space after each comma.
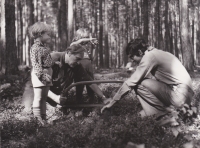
{"points": [[170, 85]]}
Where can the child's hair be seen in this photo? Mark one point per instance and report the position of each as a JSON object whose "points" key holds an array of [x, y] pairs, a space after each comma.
{"points": [[37, 29], [75, 49], [81, 33], [134, 45]]}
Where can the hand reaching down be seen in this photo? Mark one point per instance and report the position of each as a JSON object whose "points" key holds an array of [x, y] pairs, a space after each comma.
{"points": [[109, 104]]}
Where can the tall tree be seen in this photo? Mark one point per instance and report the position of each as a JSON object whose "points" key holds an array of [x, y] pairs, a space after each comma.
{"points": [[146, 20], [63, 25], [70, 21], [106, 37], [19, 31], [167, 33], [100, 34], [157, 25], [8, 36], [186, 46], [30, 4]]}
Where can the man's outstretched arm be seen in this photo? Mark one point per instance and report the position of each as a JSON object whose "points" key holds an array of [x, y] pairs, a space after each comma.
{"points": [[124, 89]]}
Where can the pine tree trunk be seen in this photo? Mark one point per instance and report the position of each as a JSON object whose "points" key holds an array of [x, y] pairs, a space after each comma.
{"points": [[157, 30], [63, 25], [70, 24], [167, 38], [21, 33], [186, 46], [100, 35], [146, 20], [118, 36], [3, 37], [10, 52], [106, 38], [97, 47]]}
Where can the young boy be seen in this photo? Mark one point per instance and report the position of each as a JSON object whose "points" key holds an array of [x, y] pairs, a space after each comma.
{"points": [[82, 35], [41, 73]]}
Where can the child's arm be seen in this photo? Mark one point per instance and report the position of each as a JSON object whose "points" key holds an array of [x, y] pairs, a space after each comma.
{"points": [[84, 40]]}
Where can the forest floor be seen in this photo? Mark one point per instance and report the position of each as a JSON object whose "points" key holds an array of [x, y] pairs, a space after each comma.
{"points": [[120, 127]]}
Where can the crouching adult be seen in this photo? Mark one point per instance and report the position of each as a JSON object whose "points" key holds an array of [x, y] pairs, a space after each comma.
{"points": [[66, 72], [170, 84]]}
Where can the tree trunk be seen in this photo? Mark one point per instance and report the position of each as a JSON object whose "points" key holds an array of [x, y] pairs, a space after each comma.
{"points": [[31, 10], [167, 39], [118, 37], [138, 11], [157, 30], [96, 29], [100, 35], [8, 36], [198, 37], [146, 20], [106, 38], [126, 30], [63, 26], [186, 46], [39, 10], [70, 25], [36, 10], [3, 37], [21, 32]]}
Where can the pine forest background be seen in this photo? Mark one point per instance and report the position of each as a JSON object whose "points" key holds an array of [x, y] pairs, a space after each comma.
{"points": [[170, 25]]}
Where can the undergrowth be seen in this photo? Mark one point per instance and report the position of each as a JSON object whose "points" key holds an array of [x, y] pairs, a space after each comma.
{"points": [[88, 128]]}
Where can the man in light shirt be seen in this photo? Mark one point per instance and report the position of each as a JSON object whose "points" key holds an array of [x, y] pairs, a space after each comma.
{"points": [[169, 84]]}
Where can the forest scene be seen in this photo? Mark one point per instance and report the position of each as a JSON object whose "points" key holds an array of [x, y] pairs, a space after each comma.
{"points": [[172, 26]]}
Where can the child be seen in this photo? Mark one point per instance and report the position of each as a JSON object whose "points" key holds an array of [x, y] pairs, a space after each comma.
{"points": [[41, 68], [82, 36]]}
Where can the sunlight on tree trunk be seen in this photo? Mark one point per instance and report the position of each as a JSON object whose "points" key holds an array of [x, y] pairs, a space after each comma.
{"points": [[70, 21], [3, 36], [186, 46], [106, 38]]}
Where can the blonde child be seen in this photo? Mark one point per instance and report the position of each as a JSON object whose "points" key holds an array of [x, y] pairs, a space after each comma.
{"points": [[41, 73]]}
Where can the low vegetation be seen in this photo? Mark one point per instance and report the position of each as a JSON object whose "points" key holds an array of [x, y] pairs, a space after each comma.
{"points": [[88, 128]]}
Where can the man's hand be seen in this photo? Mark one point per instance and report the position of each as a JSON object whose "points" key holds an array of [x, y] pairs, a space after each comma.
{"points": [[111, 103], [106, 101]]}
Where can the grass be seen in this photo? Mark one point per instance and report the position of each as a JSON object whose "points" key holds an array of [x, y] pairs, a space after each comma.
{"points": [[88, 128]]}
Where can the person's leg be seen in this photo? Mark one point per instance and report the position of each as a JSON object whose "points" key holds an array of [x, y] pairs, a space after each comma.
{"points": [[90, 93], [79, 93], [150, 103], [154, 96], [43, 102], [92, 89], [37, 103], [80, 75]]}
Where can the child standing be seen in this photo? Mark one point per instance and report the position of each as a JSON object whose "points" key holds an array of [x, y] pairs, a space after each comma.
{"points": [[41, 74]]}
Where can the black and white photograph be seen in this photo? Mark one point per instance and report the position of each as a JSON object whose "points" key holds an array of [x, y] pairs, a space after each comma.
{"points": [[99, 73]]}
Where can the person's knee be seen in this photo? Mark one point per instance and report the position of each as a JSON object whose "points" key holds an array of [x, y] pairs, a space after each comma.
{"points": [[140, 89], [148, 83]]}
